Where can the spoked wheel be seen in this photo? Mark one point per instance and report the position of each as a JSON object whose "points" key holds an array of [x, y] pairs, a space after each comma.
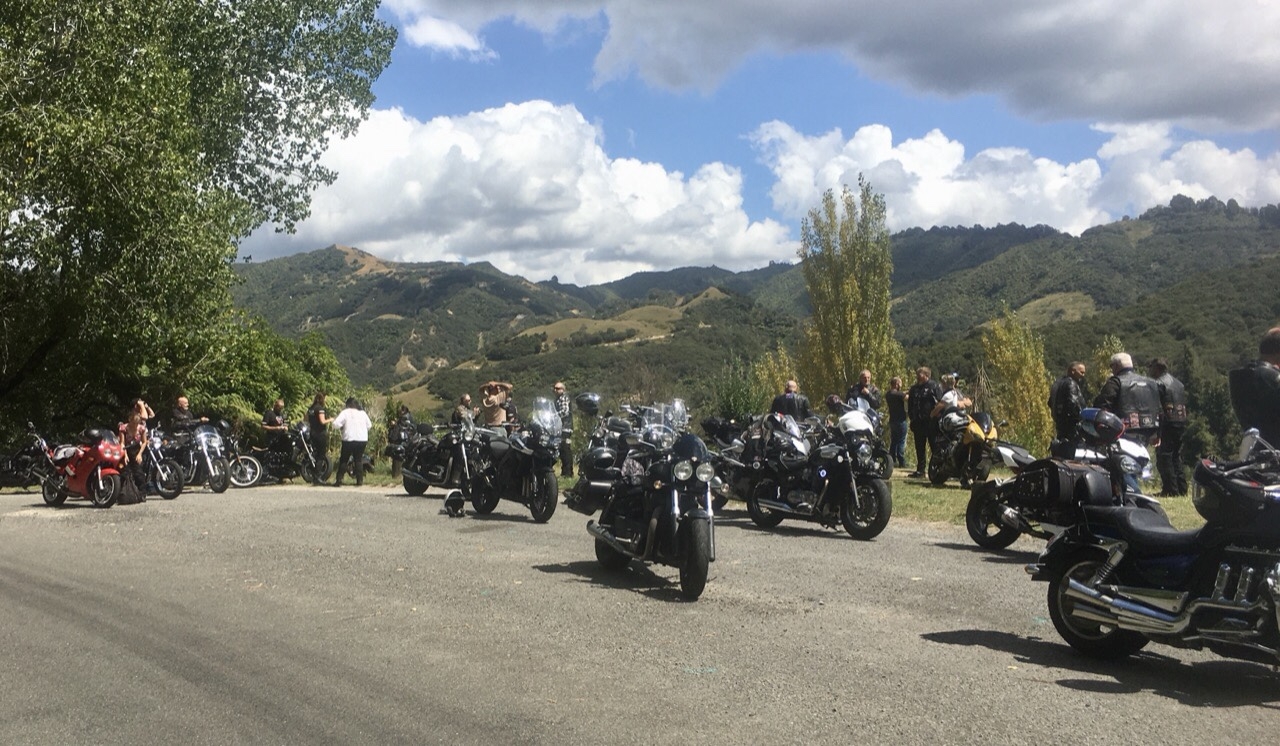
{"points": [[763, 517], [104, 489], [1092, 638], [167, 477], [546, 493], [697, 557], [245, 471], [317, 472], [982, 519], [865, 515], [219, 475], [54, 491]]}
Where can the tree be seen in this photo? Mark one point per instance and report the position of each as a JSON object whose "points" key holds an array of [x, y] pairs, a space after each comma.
{"points": [[138, 142], [847, 267], [1100, 367], [1019, 388]]}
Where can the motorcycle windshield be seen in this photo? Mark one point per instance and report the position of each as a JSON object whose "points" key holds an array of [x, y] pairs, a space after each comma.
{"points": [[677, 415], [207, 435], [545, 416]]}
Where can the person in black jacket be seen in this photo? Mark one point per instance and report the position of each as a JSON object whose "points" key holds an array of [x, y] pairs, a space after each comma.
{"points": [[1173, 423], [1255, 390], [1066, 399], [1133, 397], [896, 398], [921, 399], [864, 389], [792, 402]]}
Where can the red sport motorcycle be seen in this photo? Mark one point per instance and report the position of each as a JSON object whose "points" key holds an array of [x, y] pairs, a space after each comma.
{"points": [[88, 468]]}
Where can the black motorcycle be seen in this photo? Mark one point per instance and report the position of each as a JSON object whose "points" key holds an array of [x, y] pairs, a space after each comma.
{"points": [[733, 477], [30, 465], [657, 507], [1044, 496], [827, 476], [602, 459], [1123, 576], [165, 476], [291, 455], [440, 456], [199, 452], [519, 466]]}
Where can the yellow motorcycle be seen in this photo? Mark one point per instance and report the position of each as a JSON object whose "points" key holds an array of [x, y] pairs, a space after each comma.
{"points": [[964, 447]]}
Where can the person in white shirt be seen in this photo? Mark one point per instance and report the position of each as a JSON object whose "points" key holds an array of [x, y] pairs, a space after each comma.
{"points": [[355, 425]]}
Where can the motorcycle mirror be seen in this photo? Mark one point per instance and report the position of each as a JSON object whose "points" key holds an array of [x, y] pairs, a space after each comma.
{"points": [[1248, 442]]}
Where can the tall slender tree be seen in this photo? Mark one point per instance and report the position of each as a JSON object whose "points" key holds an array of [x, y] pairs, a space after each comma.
{"points": [[1019, 381]]}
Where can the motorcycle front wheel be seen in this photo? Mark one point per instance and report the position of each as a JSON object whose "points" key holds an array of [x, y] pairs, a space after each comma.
{"points": [[546, 493], [867, 520], [761, 516], [167, 476], [103, 490], [697, 557], [937, 471], [219, 475], [1094, 639], [982, 519], [54, 491], [245, 471], [317, 473]]}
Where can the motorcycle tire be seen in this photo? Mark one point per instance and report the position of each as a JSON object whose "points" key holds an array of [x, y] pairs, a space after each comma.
{"points": [[1094, 639], [546, 495], [219, 475], [937, 471], [246, 471], [167, 477], [869, 520], [883, 465], [104, 496], [54, 491], [982, 519], [718, 502], [316, 474], [413, 486], [697, 557], [483, 499], [763, 517], [609, 558]]}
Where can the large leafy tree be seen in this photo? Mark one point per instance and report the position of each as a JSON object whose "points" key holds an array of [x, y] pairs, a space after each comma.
{"points": [[848, 270], [1018, 387], [138, 142]]}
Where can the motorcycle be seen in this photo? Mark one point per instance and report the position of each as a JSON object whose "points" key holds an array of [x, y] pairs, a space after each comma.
{"points": [[521, 466], [30, 465], [164, 475], [964, 448], [88, 468], [244, 470], [199, 453], [1123, 576], [832, 480], [733, 478], [657, 506], [292, 456], [601, 461], [1044, 496], [444, 461]]}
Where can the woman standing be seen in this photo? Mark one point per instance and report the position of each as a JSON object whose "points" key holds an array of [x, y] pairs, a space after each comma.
{"points": [[318, 421], [355, 426], [896, 398]]}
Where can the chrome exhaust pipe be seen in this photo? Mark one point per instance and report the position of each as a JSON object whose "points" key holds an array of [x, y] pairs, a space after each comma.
{"points": [[603, 534], [1126, 614], [780, 506]]}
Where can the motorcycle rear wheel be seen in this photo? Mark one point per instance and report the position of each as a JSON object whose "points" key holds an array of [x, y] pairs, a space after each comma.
{"points": [[219, 475], [867, 522], [167, 476], [609, 558], [763, 517], [103, 496], [245, 471], [546, 494], [1094, 639], [413, 486], [54, 491], [982, 519], [697, 557]]}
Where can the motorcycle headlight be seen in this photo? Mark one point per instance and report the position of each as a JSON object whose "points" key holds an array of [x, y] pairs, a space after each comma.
{"points": [[682, 470], [705, 472], [155, 441], [864, 452]]}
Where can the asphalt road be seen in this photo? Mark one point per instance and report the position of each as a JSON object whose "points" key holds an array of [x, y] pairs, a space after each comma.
{"points": [[326, 615]]}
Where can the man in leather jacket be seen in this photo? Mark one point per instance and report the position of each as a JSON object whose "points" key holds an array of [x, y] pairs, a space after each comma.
{"points": [[1173, 424], [922, 397], [1066, 399], [1132, 397], [792, 402], [1255, 390]]}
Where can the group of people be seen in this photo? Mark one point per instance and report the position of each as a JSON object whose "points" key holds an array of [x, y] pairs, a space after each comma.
{"points": [[352, 422], [498, 409]]}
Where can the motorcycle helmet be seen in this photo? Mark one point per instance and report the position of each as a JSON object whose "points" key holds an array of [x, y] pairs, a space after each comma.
{"points": [[1099, 427], [588, 404], [953, 422], [834, 404]]}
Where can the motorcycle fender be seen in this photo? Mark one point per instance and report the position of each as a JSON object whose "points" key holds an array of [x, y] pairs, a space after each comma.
{"points": [[697, 514]]}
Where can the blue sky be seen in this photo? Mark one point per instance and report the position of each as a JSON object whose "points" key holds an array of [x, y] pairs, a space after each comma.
{"points": [[589, 139]]}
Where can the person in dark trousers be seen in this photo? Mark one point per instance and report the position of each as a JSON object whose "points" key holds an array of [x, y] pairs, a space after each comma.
{"points": [[318, 420], [354, 425], [896, 398], [1173, 424], [1066, 399], [792, 402], [864, 389], [564, 408], [922, 397], [1135, 399], [1255, 390]]}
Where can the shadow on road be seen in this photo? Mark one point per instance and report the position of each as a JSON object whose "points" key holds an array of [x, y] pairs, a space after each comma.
{"points": [[1003, 556], [635, 577], [796, 527], [1217, 683]]}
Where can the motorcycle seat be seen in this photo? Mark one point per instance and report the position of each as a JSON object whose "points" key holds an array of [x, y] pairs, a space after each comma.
{"points": [[1149, 533]]}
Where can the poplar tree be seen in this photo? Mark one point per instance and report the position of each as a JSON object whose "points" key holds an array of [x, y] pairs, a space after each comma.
{"points": [[1019, 381], [845, 256]]}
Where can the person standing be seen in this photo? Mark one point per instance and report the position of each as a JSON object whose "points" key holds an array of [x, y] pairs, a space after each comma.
{"points": [[564, 408], [399, 432], [1066, 399], [792, 402], [896, 398], [1255, 390], [133, 477], [464, 411], [1173, 425], [1135, 399], [318, 421], [864, 389], [922, 397], [274, 426], [355, 426], [494, 402]]}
